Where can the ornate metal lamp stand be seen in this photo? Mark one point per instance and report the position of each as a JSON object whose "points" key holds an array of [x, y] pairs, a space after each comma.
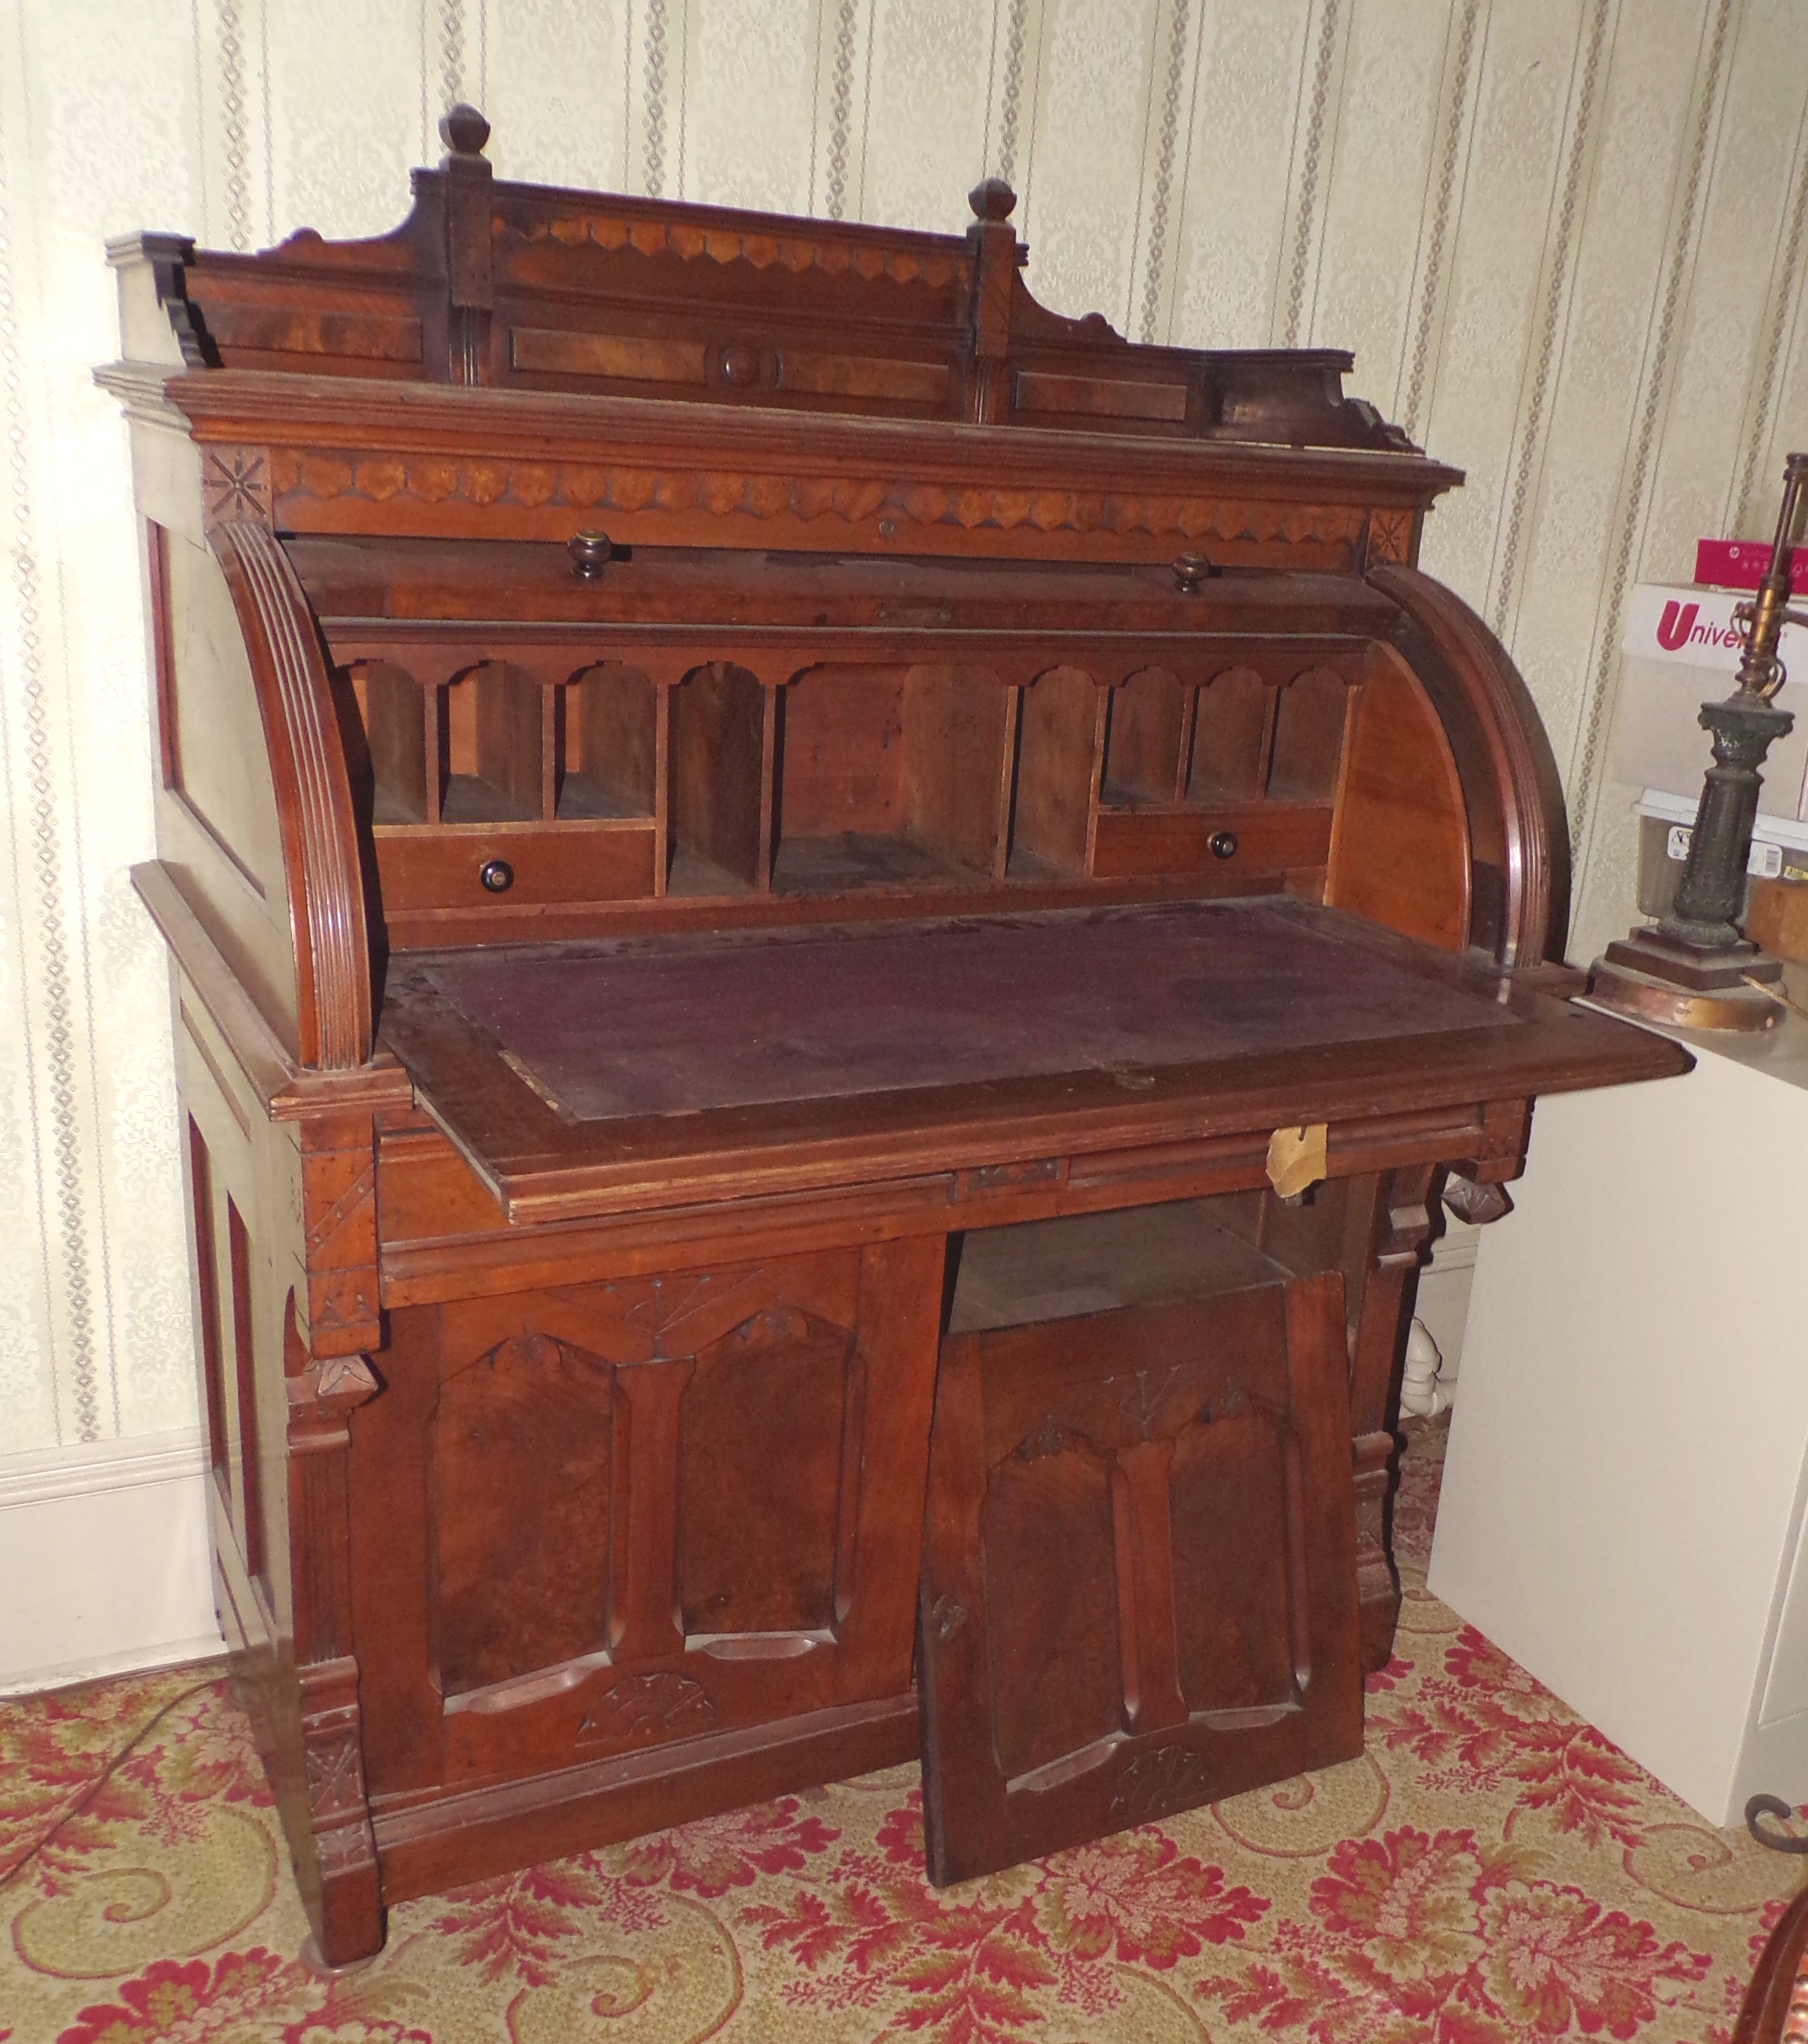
{"points": [[1694, 970]]}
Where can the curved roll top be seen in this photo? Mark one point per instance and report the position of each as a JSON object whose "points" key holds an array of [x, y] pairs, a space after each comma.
{"points": [[329, 929], [903, 596]]}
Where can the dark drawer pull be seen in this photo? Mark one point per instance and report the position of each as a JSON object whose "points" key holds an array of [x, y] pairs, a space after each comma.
{"points": [[497, 875], [1224, 844], [590, 553]]}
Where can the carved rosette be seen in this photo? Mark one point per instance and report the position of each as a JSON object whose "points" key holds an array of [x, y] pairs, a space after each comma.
{"points": [[1390, 537], [1156, 1784], [661, 1705], [236, 487]]}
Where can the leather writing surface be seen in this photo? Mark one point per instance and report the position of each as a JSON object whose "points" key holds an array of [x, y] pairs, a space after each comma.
{"points": [[674, 1025]]}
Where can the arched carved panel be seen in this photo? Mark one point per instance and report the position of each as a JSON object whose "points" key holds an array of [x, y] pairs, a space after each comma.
{"points": [[523, 1455], [1053, 1633], [1228, 1495], [762, 1475], [1233, 736], [1309, 725]]}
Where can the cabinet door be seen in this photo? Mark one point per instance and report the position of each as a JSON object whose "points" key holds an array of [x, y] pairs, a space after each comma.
{"points": [[611, 1517], [1138, 1591]]}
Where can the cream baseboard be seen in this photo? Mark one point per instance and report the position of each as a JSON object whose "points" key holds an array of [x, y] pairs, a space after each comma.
{"points": [[104, 1565]]}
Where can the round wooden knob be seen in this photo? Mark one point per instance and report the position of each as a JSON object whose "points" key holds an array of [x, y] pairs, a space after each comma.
{"points": [[740, 365], [464, 130], [1191, 570], [497, 875], [993, 199], [1224, 844], [590, 553]]}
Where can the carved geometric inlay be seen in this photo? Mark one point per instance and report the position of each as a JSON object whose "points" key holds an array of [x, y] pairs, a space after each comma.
{"points": [[322, 477], [360, 1192], [723, 244], [335, 1778], [236, 481], [1390, 536], [1155, 1784], [649, 1707], [671, 1301]]}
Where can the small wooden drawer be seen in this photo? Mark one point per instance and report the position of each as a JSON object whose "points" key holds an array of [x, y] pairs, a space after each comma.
{"points": [[1264, 837], [576, 862]]}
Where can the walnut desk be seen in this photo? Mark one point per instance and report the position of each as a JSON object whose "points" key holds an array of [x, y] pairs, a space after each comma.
{"points": [[832, 939]]}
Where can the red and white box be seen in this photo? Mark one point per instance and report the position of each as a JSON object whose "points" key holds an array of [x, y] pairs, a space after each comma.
{"points": [[1743, 564]]}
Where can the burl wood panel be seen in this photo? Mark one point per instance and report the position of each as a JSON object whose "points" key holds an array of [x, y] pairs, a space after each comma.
{"points": [[522, 1455], [1139, 1587]]}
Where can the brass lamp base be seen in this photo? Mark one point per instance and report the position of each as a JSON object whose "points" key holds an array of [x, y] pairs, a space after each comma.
{"points": [[1654, 978]]}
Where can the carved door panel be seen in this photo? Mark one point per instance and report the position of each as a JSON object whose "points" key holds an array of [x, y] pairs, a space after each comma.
{"points": [[662, 1506], [1138, 1590]]}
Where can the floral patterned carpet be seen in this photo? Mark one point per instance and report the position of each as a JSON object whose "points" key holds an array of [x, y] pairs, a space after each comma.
{"points": [[1491, 1870]]}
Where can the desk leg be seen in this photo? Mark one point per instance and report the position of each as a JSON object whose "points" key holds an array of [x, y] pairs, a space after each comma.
{"points": [[342, 1888], [1403, 1233]]}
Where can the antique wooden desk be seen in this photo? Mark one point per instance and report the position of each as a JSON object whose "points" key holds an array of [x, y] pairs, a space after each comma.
{"points": [[763, 843]]}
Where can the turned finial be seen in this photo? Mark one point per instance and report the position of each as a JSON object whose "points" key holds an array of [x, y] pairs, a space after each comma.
{"points": [[992, 199], [464, 131]]}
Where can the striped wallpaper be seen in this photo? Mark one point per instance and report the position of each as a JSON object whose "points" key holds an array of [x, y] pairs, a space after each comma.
{"points": [[1564, 238]]}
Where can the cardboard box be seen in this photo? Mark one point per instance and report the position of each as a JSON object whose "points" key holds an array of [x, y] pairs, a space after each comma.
{"points": [[1743, 564]]}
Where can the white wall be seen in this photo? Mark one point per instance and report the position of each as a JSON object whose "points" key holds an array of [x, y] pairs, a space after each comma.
{"points": [[1565, 238]]}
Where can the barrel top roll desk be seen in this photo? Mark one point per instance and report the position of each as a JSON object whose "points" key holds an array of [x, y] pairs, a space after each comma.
{"points": [[832, 939]]}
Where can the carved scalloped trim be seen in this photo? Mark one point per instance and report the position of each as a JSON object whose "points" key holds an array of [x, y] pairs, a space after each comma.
{"points": [[325, 478], [797, 253], [322, 855]]}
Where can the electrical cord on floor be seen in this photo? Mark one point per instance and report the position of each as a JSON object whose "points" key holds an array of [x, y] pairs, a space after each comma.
{"points": [[1772, 1806], [105, 1775]]}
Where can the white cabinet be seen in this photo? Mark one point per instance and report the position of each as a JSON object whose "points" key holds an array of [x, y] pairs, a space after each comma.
{"points": [[1622, 1508]]}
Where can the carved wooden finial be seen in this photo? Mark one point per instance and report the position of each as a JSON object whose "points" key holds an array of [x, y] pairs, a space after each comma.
{"points": [[464, 131], [992, 199]]}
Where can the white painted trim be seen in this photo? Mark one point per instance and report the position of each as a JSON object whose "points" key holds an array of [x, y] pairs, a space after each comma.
{"points": [[105, 1557], [51, 1473]]}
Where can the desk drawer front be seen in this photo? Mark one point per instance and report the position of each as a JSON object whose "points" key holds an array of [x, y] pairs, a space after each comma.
{"points": [[423, 872]]}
